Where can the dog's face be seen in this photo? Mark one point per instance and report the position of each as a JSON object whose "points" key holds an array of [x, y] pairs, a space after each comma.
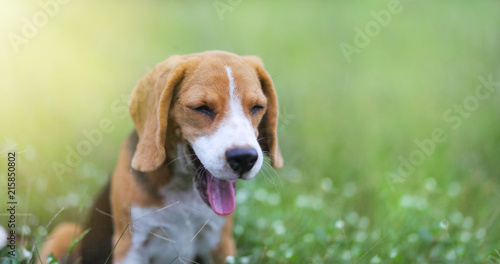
{"points": [[225, 111], [219, 112]]}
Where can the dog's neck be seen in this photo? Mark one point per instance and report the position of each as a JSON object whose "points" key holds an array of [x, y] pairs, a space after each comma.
{"points": [[180, 169], [175, 171]]}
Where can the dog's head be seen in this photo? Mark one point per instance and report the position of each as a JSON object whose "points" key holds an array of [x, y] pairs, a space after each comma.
{"points": [[223, 107]]}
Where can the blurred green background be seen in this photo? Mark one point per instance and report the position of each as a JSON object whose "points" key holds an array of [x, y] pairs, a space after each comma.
{"points": [[346, 121]]}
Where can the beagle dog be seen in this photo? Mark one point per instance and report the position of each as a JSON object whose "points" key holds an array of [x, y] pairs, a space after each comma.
{"points": [[202, 122]]}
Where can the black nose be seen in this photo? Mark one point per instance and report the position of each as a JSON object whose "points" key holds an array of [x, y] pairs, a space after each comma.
{"points": [[241, 160]]}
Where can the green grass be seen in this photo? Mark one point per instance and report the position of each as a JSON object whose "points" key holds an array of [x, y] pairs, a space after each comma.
{"points": [[343, 125]]}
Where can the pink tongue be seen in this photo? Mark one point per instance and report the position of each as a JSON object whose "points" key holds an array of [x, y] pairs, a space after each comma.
{"points": [[221, 195]]}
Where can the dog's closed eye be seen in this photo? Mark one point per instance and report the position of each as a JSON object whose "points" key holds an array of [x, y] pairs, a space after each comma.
{"points": [[203, 110], [256, 109]]}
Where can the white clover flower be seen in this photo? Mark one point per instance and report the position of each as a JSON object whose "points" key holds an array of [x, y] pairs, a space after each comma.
{"points": [[274, 199], [350, 189], [375, 259]]}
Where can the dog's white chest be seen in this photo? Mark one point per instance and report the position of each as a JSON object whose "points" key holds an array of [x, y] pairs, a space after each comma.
{"points": [[184, 229]]}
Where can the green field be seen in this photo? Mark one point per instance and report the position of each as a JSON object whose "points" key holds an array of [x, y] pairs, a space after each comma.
{"points": [[392, 146]]}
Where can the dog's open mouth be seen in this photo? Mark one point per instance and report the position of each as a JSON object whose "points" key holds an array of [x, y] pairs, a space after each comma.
{"points": [[217, 193]]}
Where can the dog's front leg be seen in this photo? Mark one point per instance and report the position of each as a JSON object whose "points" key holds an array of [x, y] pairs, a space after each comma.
{"points": [[123, 242], [125, 252], [226, 246]]}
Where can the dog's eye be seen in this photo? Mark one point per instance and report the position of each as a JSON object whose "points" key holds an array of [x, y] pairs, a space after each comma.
{"points": [[256, 109], [204, 110]]}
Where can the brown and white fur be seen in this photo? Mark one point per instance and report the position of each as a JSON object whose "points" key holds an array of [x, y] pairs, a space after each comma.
{"points": [[202, 121]]}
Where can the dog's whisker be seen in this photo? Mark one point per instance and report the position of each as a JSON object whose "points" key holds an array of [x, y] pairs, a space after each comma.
{"points": [[179, 158], [265, 172], [200, 170], [190, 162], [274, 155], [268, 167], [269, 179]]}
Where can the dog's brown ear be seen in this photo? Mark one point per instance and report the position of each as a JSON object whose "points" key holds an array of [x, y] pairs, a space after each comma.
{"points": [[268, 126], [149, 105]]}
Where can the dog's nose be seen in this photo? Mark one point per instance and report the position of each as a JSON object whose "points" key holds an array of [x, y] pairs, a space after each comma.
{"points": [[241, 160]]}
